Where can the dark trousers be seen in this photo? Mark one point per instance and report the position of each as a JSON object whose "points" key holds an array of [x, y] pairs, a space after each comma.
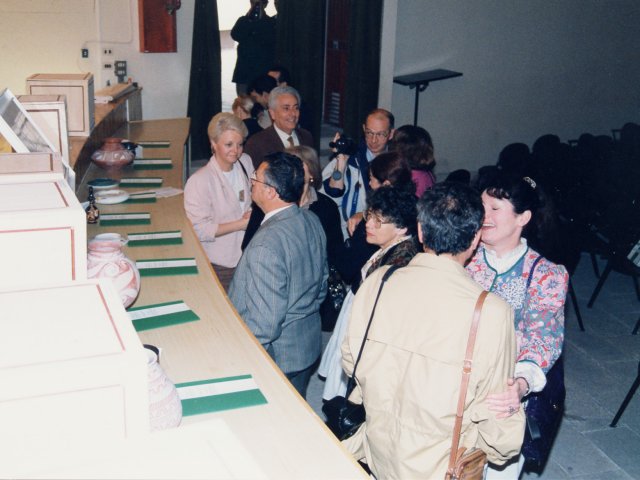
{"points": [[300, 380]]}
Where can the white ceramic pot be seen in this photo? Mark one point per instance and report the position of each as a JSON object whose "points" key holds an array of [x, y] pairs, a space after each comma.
{"points": [[165, 409], [106, 259]]}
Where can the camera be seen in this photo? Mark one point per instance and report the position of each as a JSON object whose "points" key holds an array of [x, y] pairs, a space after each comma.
{"points": [[344, 145]]}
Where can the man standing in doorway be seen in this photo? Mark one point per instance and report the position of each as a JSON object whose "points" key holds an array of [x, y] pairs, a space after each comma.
{"points": [[255, 33]]}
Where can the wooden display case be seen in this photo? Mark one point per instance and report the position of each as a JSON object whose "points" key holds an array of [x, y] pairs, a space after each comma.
{"points": [[43, 231], [79, 91], [21, 163], [71, 367], [50, 114]]}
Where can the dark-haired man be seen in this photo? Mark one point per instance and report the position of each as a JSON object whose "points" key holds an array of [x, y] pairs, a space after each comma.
{"points": [[281, 278], [259, 90], [410, 372]]}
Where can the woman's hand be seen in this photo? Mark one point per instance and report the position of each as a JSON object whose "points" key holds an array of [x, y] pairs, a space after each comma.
{"points": [[353, 222], [244, 220], [508, 402]]}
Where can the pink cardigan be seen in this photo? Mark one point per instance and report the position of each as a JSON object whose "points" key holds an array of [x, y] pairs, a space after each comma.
{"points": [[210, 201]]}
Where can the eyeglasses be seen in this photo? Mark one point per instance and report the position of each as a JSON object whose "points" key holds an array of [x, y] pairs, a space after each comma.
{"points": [[255, 179], [379, 135], [377, 221]]}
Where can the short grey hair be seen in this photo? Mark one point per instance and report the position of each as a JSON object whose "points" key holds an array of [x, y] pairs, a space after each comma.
{"points": [[276, 92], [224, 121]]}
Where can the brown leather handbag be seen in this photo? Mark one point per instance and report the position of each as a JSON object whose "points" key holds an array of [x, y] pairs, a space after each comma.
{"points": [[466, 464]]}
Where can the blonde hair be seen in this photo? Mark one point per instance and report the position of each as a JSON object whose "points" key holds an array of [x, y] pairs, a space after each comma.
{"points": [[309, 157], [224, 121], [243, 102]]}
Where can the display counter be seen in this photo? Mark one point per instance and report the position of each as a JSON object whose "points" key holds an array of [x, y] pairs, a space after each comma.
{"points": [[285, 438]]}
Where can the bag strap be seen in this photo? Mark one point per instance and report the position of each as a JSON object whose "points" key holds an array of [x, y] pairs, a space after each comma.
{"points": [[464, 384], [352, 379], [533, 267]]}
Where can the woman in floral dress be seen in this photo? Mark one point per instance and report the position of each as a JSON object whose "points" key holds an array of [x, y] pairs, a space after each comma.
{"points": [[506, 265]]}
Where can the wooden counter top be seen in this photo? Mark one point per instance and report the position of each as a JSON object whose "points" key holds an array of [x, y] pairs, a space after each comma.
{"points": [[285, 437]]}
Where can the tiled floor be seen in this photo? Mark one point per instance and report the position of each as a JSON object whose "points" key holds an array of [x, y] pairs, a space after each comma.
{"points": [[600, 366]]}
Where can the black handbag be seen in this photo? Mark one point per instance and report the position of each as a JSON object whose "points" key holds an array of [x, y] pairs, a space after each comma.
{"points": [[343, 416], [544, 412], [336, 293]]}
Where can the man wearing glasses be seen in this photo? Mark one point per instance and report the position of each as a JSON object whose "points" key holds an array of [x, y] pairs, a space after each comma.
{"points": [[281, 278], [346, 178]]}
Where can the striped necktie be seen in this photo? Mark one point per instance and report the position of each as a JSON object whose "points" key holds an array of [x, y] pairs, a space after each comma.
{"points": [[290, 140]]}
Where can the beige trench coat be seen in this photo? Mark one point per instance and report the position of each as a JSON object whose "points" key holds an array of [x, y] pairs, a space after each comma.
{"points": [[410, 371]]}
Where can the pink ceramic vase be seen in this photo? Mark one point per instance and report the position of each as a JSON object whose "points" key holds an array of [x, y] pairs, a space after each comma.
{"points": [[106, 260], [165, 408], [112, 155]]}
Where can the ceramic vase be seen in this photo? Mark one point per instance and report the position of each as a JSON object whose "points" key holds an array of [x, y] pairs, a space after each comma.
{"points": [[165, 409], [106, 259], [113, 154]]}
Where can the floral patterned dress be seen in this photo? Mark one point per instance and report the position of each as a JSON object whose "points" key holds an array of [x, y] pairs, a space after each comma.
{"points": [[538, 309]]}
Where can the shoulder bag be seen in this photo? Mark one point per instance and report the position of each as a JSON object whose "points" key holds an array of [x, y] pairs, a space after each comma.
{"points": [[463, 464], [345, 417]]}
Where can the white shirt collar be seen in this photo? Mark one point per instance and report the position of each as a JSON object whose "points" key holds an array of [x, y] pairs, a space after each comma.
{"points": [[504, 263], [273, 212], [284, 137]]}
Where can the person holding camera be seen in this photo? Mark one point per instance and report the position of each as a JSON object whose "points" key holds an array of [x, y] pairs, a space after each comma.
{"points": [[255, 33], [346, 177]]}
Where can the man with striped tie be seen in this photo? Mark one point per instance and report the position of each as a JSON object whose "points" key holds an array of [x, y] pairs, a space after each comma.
{"points": [[284, 108]]}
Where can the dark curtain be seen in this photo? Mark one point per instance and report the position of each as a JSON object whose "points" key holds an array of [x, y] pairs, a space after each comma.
{"points": [[205, 97], [300, 48], [363, 71]]}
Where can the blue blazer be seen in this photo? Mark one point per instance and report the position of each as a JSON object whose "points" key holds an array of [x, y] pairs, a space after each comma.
{"points": [[279, 284]]}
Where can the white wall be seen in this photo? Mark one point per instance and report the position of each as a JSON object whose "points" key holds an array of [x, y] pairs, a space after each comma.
{"points": [[39, 36], [530, 67]]}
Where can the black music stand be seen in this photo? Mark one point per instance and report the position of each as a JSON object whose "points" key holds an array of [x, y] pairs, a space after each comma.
{"points": [[420, 81]]}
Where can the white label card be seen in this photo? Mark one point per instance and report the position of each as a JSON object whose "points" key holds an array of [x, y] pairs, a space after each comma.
{"points": [[166, 263], [154, 236], [157, 161], [216, 388], [159, 311], [125, 216], [149, 180]]}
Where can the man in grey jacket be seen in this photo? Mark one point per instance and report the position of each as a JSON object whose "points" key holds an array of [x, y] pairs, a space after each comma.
{"points": [[281, 279]]}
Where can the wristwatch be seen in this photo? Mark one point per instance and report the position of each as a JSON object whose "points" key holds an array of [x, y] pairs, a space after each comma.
{"points": [[336, 175]]}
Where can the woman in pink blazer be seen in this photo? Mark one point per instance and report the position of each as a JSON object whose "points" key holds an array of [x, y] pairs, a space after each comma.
{"points": [[217, 198]]}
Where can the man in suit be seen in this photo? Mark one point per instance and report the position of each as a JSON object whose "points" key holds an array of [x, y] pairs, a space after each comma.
{"points": [[284, 108], [410, 370], [281, 279]]}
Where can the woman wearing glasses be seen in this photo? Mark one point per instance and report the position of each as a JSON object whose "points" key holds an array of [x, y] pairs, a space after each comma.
{"points": [[217, 198], [390, 225]]}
